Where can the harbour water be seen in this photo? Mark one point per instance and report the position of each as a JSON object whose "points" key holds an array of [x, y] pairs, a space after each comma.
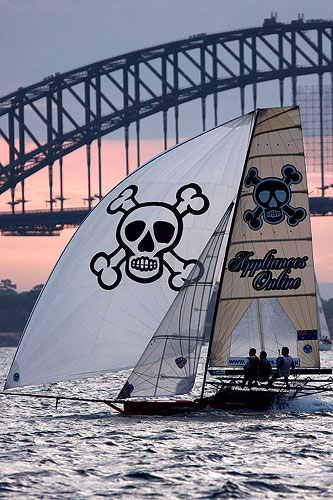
{"points": [[82, 450]]}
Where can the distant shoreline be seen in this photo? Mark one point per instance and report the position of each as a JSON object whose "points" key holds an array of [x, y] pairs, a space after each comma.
{"points": [[9, 339]]}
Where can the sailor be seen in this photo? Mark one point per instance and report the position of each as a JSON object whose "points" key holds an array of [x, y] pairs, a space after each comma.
{"points": [[251, 367], [285, 365], [265, 368]]}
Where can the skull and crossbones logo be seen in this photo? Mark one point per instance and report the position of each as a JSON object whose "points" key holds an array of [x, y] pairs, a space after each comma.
{"points": [[147, 235], [272, 196]]}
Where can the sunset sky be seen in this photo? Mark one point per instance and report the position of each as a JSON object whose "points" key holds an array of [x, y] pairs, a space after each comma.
{"points": [[27, 261], [41, 37]]}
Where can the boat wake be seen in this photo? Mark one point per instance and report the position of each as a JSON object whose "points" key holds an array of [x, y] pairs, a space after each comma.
{"points": [[309, 404]]}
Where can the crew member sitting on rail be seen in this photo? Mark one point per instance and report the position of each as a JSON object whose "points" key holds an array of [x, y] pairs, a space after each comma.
{"points": [[265, 368], [285, 365], [251, 368]]}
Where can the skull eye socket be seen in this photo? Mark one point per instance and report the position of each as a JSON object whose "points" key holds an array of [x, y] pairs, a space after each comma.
{"points": [[134, 230], [163, 231], [281, 196], [264, 196]]}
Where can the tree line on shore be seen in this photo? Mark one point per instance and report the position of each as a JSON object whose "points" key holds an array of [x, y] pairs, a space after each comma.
{"points": [[15, 309]]}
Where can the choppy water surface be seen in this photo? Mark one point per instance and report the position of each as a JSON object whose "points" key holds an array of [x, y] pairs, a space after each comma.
{"points": [[84, 451]]}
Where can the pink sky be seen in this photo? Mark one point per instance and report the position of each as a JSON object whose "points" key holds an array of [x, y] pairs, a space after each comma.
{"points": [[27, 261]]}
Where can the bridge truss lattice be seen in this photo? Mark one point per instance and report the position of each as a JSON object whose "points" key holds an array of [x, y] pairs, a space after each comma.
{"points": [[42, 123]]}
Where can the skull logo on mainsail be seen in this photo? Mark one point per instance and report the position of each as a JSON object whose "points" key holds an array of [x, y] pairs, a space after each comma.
{"points": [[272, 197]]}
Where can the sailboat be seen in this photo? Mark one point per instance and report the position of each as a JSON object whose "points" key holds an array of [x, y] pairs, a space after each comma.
{"points": [[133, 285], [325, 342]]}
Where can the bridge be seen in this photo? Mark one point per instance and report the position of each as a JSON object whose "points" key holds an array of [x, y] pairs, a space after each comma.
{"points": [[42, 123]]}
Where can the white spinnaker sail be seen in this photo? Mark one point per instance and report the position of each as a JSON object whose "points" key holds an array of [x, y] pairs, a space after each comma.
{"points": [[323, 332], [122, 268], [267, 297], [169, 363]]}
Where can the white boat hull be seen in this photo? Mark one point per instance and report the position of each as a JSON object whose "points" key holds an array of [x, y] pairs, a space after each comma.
{"points": [[325, 346]]}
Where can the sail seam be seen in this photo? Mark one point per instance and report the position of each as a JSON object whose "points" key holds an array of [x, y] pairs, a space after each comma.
{"points": [[178, 337], [287, 110], [271, 155], [277, 130], [295, 191], [193, 283], [270, 296], [273, 240]]}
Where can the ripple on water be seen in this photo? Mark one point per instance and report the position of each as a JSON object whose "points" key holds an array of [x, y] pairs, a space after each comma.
{"points": [[7, 487], [304, 435], [228, 490], [144, 476], [262, 485], [81, 451]]}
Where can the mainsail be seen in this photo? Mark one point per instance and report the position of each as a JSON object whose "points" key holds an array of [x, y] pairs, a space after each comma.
{"points": [[267, 293], [169, 363], [323, 331], [122, 269]]}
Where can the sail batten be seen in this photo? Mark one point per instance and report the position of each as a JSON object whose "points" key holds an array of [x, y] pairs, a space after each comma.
{"points": [[281, 129]]}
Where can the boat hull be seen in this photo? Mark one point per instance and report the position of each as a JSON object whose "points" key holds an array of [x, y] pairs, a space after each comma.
{"points": [[251, 400], [325, 346], [159, 407], [227, 401]]}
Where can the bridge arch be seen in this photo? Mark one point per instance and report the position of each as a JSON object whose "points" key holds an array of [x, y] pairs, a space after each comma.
{"points": [[119, 91]]}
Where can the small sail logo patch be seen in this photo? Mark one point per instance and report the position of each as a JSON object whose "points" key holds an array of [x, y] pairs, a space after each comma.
{"points": [[272, 197], [147, 235], [307, 348], [180, 362], [126, 391], [16, 377]]}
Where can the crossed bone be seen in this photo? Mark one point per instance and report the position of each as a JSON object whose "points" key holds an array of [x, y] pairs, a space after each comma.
{"points": [[107, 267]]}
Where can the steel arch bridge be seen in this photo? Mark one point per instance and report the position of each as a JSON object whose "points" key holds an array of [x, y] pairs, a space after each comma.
{"points": [[120, 91]]}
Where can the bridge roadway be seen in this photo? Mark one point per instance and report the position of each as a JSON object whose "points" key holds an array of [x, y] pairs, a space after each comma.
{"points": [[46, 223]]}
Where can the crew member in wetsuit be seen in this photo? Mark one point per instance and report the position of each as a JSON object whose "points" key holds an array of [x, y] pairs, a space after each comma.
{"points": [[251, 368], [265, 368], [285, 365]]}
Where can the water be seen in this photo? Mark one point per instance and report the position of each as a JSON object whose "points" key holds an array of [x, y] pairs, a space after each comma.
{"points": [[83, 450]]}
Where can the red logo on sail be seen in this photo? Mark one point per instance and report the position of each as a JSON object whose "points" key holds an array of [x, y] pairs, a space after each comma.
{"points": [[181, 362]]}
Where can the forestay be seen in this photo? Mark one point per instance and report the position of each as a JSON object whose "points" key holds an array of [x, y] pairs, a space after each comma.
{"points": [[267, 297], [169, 363], [122, 269]]}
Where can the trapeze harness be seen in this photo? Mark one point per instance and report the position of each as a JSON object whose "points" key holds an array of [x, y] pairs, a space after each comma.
{"points": [[251, 370], [265, 370]]}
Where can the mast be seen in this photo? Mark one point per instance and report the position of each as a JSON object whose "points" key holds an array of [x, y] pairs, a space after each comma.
{"points": [[226, 253], [261, 332]]}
